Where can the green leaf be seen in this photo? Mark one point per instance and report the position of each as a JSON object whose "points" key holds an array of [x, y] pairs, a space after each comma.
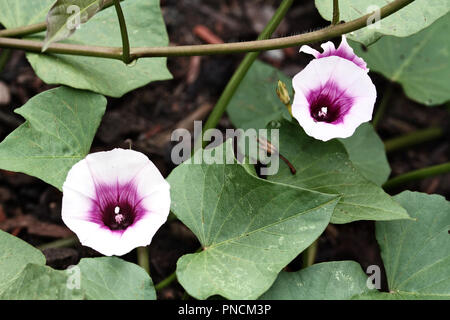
{"points": [[106, 76], [420, 63], [110, 278], [416, 254], [39, 282], [249, 228], [325, 167], [323, 281], [14, 256], [367, 153], [23, 275], [65, 16], [405, 22], [255, 102], [61, 124]]}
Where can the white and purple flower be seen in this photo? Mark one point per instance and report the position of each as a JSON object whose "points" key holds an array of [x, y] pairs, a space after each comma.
{"points": [[333, 93], [115, 201]]}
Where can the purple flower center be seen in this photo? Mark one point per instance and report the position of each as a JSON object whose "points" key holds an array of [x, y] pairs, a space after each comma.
{"points": [[329, 103], [117, 206]]}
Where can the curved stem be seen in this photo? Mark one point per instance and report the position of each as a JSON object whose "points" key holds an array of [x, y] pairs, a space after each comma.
{"points": [[123, 33], [413, 138], [240, 72], [335, 12], [208, 49], [143, 258], [417, 175], [24, 31], [167, 281]]}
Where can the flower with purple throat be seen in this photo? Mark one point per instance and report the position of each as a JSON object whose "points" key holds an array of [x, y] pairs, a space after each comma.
{"points": [[333, 93], [115, 201]]}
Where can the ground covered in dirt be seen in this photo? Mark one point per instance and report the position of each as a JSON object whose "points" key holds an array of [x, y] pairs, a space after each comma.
{"points": [[30, 209]]}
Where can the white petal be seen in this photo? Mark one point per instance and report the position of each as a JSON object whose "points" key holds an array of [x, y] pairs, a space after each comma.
{"points": [[79, 178], [117, 165], [107, 242], [308, 50], [75, 213], [328, 48], [149, 180]]}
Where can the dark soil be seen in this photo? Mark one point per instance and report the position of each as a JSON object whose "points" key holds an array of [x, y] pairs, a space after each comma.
{"points": [[144, 115]]}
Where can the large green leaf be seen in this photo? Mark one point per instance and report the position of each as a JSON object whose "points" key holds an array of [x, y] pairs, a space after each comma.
{"points": [[249, 228], [367, 153], [39, 282], [110, 278], [255, 102], [107, 76], [420, 63], [23, 275], [323, 281], [64, 15], [61, 124], [325, 167], [14, 256], [405, 22], [416, 254]]}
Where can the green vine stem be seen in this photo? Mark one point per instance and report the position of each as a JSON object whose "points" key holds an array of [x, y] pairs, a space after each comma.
{"points": [[167, 281], [335, 12], [24, 31], [207, 49], [417, 175], [387, 94], [143, 258], [61, 243], [309, 255], [123, 32], [240, 72], [413, 138]]}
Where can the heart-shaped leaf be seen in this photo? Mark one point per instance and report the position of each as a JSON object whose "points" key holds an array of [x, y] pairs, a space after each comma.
{"points": [[420, 63], [366, 151], [325, 167], [416, 256], [405, 22], [39, 282], [340, 280], [23, 275], [106, 76], [61, 124], [14, 257], [249, 228], [110, 278]]}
